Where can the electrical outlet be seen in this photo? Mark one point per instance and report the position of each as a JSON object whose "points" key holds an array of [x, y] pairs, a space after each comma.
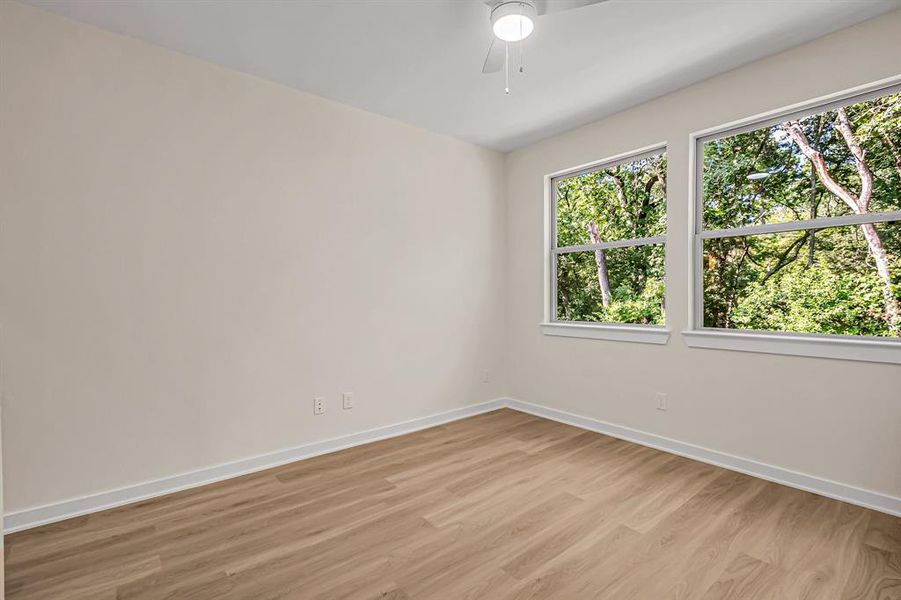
{"points": [[318, 406], [661, 401], [347, 400], [486, 377]]}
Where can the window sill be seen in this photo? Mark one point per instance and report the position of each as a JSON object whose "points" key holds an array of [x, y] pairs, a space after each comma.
{"points": [[850, 348], [644, 334]]}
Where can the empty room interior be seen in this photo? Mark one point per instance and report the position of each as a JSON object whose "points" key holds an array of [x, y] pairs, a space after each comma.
{"points": [[450, 299]]}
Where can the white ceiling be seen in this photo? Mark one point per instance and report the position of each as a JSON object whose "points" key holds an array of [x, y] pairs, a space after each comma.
{"points": [[419, 61]]}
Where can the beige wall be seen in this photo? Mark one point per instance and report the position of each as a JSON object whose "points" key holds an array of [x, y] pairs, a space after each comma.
{"points": [[189, 255], [828, 418]]}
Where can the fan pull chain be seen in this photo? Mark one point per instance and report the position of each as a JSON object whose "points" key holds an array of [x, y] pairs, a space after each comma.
{"points": [[522, 54], [506, 68]]}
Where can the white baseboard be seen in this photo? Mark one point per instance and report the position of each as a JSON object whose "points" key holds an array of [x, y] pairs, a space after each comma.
{"points": [[50, 513], [817, 485]]}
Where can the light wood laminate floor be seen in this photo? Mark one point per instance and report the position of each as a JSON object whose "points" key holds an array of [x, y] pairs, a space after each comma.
{"points": [[501, 506]]}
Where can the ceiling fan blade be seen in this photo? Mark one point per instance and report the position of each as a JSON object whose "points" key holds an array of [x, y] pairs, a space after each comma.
{"points": [[544, 7], [495, 58]]}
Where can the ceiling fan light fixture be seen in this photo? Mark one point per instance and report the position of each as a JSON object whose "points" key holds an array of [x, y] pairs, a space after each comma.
{"points": [[513, 21]]}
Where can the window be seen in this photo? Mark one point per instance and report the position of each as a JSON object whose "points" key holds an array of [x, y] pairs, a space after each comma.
{"points": [[606, 251], [798, 226]]}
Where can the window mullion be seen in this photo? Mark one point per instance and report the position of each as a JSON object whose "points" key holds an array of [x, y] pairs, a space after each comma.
{"points": [[648, 241], [820, 223]]}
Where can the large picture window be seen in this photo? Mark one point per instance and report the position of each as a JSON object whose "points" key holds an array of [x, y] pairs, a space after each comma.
{"points": [[608, 232], [798, 226]]}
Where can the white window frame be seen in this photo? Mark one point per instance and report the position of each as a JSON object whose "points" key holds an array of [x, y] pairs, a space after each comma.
{"points": [[849, 347], [624, 332]]}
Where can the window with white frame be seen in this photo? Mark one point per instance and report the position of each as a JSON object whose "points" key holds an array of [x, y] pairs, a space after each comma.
{"points": [[607, 242], [797, 223]]}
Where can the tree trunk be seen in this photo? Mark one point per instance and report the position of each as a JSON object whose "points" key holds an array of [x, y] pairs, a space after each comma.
{"points": [[892, 311], [859, 204], [601, 262], [866, 176], [814, 205], [818, 163]]}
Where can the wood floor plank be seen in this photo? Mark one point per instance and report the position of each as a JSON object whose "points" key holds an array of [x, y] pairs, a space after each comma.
{"points": [[824, 570], [501, 506], [653, 562], [745, 578], [575, 569], [877, 574]]}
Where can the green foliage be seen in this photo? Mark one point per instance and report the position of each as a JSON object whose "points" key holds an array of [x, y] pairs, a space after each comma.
{"points": [[815, 300], [624, 202], [636, 283], [820, 282], [629, 307]]}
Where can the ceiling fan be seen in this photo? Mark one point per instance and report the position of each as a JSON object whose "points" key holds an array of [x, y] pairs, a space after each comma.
{"points": [[512, 21]]}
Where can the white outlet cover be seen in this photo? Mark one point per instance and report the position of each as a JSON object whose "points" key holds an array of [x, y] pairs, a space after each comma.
{"points": [[347, 400], [661, 401]]}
